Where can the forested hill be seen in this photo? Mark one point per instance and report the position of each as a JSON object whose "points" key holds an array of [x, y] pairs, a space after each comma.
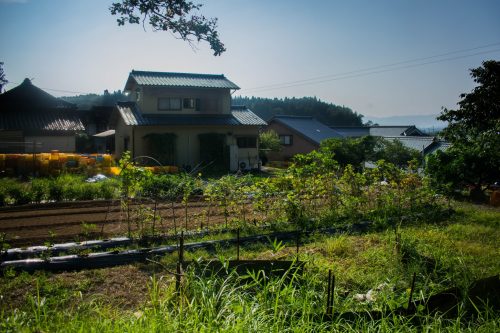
{"points": [[327, 113], [86, 102]]}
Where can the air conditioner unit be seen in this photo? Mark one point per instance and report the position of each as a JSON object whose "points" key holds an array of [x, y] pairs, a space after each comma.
{"points": [[244, 165]]}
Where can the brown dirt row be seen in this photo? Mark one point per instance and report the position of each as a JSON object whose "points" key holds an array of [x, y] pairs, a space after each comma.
{"points": [[77, 224]]}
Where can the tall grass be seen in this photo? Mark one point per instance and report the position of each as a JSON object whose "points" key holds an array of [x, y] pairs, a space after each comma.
{"points": [[290, 303]]}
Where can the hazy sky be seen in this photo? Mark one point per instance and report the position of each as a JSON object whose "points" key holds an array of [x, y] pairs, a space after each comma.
{"points": [[275, 48]]}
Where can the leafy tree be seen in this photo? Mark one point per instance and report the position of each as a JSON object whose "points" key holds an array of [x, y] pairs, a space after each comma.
{"points": [[171, 15], [353, 151], [268, 141], [3, 80], [473, 130], [396, 153], [327, 113], [356, 151]]}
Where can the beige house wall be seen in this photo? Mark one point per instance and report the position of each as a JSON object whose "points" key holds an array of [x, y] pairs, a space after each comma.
{"points": [[212, 101], [187, 142], [299, 145]]}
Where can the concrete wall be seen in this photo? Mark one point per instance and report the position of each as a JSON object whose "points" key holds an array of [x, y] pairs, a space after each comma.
{"points": [[65, 144], [300, 145]]}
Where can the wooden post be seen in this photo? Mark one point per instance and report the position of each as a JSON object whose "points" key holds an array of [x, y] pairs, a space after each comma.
{"points": [[181, 248], [179, 264], [411, 291], [328, 291], [238, 244], [332, 291], [298, 241]]}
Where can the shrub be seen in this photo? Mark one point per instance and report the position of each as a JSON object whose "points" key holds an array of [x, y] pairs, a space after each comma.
{"points": [[40, 188]]}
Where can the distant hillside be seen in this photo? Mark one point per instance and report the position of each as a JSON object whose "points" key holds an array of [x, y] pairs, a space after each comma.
{"points": [[86, 102], [421, 121], [327, 113]]}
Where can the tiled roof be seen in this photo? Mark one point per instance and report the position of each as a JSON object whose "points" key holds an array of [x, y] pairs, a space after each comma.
{"points": [[415, 142], [54, 120], [386, 131], [352, 131], [26, 97], [246, 116], [184, 80], [132, 116], [309, 127], [27, 107]]}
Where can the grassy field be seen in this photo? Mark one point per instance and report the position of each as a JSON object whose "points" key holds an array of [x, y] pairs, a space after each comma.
{"points": [[142, 297]]}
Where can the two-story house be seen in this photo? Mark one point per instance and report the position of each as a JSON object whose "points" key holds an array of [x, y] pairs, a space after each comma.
{"points": [[186, 120]]}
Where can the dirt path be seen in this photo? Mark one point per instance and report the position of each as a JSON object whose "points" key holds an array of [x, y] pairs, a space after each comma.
{"points": [[78, 221]]}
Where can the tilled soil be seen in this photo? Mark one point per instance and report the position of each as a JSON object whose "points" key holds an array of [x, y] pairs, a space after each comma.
{"points": [[77, 221]]}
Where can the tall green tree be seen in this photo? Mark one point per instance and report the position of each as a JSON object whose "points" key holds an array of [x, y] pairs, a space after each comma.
{"points": [[474, 132], [180, 17]]}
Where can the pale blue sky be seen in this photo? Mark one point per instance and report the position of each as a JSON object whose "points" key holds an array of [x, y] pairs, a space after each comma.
{"points": [[77, 46]]}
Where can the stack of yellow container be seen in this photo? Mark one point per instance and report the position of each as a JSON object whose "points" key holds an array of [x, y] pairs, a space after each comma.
{"points": [[53, 163]]}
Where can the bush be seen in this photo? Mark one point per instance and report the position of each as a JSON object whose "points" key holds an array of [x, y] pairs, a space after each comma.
{"points": [[40, 188]]}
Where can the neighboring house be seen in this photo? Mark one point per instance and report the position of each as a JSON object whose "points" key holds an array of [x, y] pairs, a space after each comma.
{"points": [[298, 135], [424, 144], [186, 120], [32, 120], [382, 131]]}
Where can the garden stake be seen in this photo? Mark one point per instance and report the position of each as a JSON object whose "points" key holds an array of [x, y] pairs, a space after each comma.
{"points": [[298, 241], [411, 290], [154, 217], [328, 291], [179, 264], [181, 247], [238, 244], [332, 293]]}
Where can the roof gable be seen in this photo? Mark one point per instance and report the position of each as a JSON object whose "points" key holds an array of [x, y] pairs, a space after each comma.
{"points": [[385, 131], [28, 97], [308, 127], [179, 80]]}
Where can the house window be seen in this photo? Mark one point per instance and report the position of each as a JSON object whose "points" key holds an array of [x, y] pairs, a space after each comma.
{"points": [[191, 103], [169, 104], [247, 142], [286, 140]]}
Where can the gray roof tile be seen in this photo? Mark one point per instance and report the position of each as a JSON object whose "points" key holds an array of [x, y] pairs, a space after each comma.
{"points": [[131, 115], [185, 80], [49, 120], [308, 127]]}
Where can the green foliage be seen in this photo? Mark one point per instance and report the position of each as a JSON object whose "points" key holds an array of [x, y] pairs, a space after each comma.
{"points": [[163, 187], [172, 16], [326, 113], [353, 151], [396, 153], [356, 151], [87, 101], [269, 140], [474, 157]]}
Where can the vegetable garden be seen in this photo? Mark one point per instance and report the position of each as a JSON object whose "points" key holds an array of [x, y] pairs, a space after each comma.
{"points": [[388, 238]]}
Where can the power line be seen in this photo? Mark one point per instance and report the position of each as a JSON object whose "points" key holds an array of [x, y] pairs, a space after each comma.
{"points": [[370, 70], [58, 90]]}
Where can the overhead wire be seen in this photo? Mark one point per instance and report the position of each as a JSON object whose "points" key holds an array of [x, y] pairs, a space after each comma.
{"points": [[373, 70]]}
